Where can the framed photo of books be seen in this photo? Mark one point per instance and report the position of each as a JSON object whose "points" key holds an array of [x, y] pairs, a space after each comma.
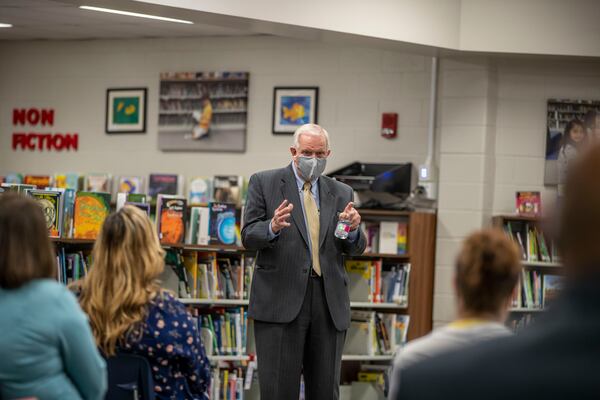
{"points": [[203, 111], [126, 110], [293, 107]]}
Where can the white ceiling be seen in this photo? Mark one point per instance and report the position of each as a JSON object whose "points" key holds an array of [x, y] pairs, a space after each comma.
{"points": [[53, 20]]}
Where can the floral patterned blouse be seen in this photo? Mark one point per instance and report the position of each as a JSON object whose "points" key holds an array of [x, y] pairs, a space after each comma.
{"points": [[171, 344]]}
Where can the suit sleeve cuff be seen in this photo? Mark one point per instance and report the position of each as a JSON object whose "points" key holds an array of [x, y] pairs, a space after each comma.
{"points": [[353, 235], [272, 235]]}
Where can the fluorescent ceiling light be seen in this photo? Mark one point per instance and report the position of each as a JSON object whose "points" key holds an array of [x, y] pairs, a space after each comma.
{"points": [[5, 25], [132, 14]]}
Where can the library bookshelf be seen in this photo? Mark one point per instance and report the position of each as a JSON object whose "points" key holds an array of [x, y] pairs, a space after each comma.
{"points": [[533, 260], [420, 253]]}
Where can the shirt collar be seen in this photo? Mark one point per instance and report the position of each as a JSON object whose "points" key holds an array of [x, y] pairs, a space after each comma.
{"points": [[300, 181]]}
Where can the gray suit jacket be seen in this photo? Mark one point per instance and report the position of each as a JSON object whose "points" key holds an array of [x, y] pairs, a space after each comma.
{"points": [[283, 264]]}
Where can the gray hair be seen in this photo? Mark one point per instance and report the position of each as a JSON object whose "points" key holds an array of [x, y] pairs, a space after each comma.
{"points": [[310, 129]]}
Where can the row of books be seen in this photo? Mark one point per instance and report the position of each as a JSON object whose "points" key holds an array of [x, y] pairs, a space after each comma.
{"points": [[227, 384], [532, 242], [376, 282], [372, 333], [224, 331], [388, 237], [80, 215], [71, 266], [199, 189], [536, 290], [518, 322], [212, 277]]}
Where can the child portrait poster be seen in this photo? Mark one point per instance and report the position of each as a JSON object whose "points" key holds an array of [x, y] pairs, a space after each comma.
{"points": [[572, 125]]}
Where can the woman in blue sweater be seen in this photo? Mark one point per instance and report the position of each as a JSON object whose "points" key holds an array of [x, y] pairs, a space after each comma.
{"points": [[130, 313], [46, 347]]}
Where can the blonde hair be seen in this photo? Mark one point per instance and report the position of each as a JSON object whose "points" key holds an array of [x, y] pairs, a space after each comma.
{"points": [[127, 261]]}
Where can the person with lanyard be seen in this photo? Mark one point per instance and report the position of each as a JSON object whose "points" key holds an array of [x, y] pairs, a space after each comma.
{"points": [[299, 298], [486, 272]]}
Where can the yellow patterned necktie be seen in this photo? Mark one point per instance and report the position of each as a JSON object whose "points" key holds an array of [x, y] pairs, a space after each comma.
{"points": [[312, 218]]}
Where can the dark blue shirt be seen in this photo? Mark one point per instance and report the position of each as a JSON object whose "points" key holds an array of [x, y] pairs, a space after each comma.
{"points": [[170, 342]]}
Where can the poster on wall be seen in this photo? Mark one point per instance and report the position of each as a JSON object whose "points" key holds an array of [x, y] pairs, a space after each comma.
{"points": [[203, 111], [572, 125], [294, 107], [126, 110]]}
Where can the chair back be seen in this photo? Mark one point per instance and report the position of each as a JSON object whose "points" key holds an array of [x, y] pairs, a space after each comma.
{"points": [[129, 377]]}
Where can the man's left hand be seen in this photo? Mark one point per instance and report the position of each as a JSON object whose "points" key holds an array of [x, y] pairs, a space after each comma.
{"points": [[350, 214]]}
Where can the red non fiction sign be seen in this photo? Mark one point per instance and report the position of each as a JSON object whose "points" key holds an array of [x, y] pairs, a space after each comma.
{"points": [[40, 140]]}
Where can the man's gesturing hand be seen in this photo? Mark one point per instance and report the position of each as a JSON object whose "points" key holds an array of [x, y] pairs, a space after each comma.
{"points": [[350, 214], [280, 218]]}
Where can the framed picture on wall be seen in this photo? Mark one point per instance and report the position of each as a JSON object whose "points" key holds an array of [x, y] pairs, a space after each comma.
{"points": [[203, 111], [293, 107], [126, 110], [572, 126]]}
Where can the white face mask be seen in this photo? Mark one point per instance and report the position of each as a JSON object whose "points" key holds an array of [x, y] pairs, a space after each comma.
{"points": [[311, 167]]}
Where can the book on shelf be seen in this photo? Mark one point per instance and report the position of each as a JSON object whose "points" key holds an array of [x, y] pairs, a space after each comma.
{"points": [[198, 228], [228, 189], [387, 237], [66, 181], [529, 204], [518, 322], [372, 333], [123, 198], [68, 212], [553, 285], [536, 289], [130, 184], [213, 277], [71, 266], [16, 187], [228, 327], [227, 383], [51, 202], [99, 183], [170, 184], [39, 181], [13, 178], [402, 237], [377, 282], [532, 242], [200, 190], [90, 211], [170, 218], [222, 223]]}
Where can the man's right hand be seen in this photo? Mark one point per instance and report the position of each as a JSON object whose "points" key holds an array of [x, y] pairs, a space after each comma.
{"points": [[281, 216]]}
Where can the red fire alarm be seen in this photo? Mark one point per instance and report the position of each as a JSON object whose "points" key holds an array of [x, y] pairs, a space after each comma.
{"points": [[389, 125]]}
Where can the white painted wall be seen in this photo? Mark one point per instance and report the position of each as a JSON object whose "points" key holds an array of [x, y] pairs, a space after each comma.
{"points": [[356, 86], [531, 26], [432, 23]]}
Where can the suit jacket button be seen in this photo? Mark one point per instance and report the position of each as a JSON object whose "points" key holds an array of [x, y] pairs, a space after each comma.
{"points": [[305, 270]]}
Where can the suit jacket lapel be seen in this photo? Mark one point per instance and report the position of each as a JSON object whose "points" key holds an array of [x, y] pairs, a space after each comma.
{"points": [[327, 209], [289, 189]]}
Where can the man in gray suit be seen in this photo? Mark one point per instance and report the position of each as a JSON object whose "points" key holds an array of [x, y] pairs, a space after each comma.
{"points": [[299, 299]]}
